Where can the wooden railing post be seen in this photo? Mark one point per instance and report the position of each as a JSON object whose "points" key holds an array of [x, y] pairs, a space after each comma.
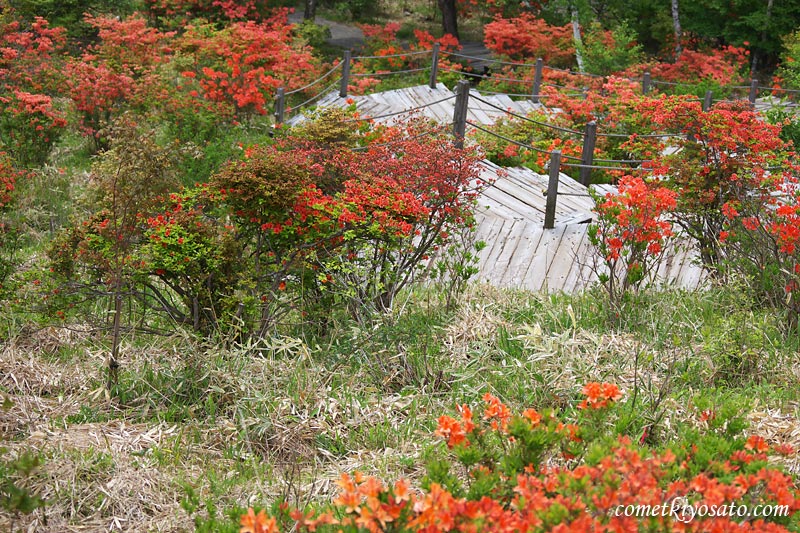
{"points": [[646, 83], [753, 92], [345, 74], [434, 66], [552, 190], [280, 105], [460, 113], [587, 155], [537, 80], [707, 100]]}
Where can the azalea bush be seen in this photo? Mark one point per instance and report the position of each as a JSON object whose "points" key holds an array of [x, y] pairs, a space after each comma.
{"points": [[630, 234], [526, 38], [760, 239], [384, 53], [349, 226], [31, 57], [507, 481], [9, 176], [327, 217], [244, 63], [29, 126], [715, 157]]}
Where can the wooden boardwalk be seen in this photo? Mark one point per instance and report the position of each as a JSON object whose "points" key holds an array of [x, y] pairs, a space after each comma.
{"points": [[519, 252]]}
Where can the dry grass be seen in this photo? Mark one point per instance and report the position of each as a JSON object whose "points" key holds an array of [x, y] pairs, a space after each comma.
{"points": [[289, 418]]}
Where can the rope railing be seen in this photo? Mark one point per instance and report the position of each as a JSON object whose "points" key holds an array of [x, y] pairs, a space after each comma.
{"points": [[507, 139], [403, 112], [527, 119], [585, 164], [397, 141], [304, 87], [535, 95], [406, 54], [387, 73], [303, 104]]}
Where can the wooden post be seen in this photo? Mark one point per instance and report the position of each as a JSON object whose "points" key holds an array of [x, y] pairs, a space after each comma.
{"points": [[753, 92], [460, 113], [280, 105], [587, 155], [434, 66], [345, 74], [552, 190], [537, 80], [707, 100], [646, 83]]}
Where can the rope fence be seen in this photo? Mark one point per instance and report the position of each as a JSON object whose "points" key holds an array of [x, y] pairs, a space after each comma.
{"points": [[585, 164]]}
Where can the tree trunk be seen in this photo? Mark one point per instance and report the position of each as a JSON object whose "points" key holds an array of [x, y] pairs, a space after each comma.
{"points": [[116, 333], [310, 12], [449, 17], [576, 37], [676, 26], [756, 56]]}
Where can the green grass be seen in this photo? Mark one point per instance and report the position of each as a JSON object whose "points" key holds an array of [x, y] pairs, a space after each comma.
{"points": [[272, 423]]}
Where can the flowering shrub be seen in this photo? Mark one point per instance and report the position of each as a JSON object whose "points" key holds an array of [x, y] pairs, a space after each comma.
{"points": [[723, 65], [8, 183], [527, 37], [722, 155], [178, 13], [305, 226], [331, 224], [244, 63], [630, 234], [29, 126], [760, 238], [388, 54], [29, 58], [511, 488]]}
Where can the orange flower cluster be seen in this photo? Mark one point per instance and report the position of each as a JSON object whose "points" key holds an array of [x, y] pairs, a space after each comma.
{"points": [[539, 497], [599, 395], [579, 500]]}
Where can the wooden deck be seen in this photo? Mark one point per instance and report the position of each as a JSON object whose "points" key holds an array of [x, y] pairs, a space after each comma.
{"points": [[519, 252]]}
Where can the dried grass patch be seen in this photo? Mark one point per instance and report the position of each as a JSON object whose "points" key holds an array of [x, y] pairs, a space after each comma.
{"points": [[97, 477], [778, 426]]}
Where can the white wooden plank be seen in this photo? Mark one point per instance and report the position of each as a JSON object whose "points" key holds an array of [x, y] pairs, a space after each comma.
{"points": [[513, 237], [493, 242], [536, 275], [523, 256], [581, 271], [564, 258]]}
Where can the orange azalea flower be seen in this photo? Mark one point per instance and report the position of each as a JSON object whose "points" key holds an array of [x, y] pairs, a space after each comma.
{"points": [[757, 444], [599, 395], [496, 409], [346, 483], [533, 416], [371, 488], [450, 429], [401, 493], [258, 523], [466, 418], [611, 392], [783, 449], [351, 501]]}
